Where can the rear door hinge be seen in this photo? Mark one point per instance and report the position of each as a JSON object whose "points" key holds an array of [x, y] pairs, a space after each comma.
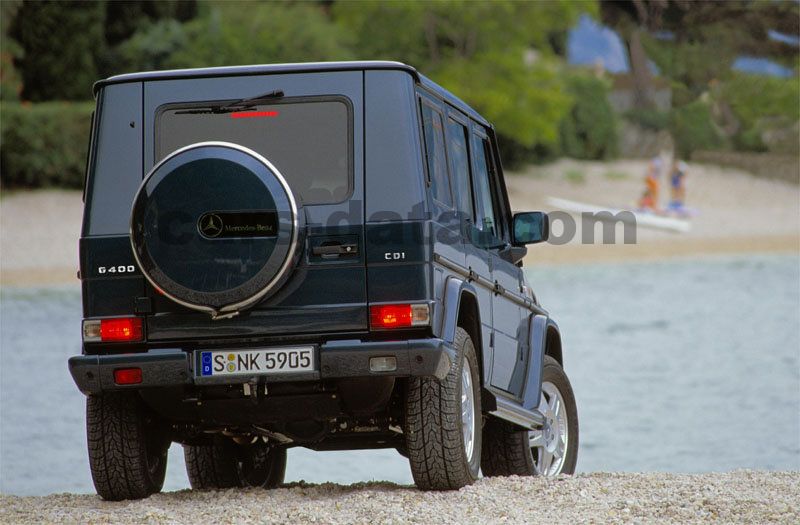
{"points": [[498, 288]]}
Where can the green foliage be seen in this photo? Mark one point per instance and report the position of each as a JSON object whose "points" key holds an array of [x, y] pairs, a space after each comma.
{"points": [[44, 144], [496, 85], [681, 94], [153, 47], [750, 140], [501, 57], [648, 118], [767, 110], [10, 81], [253, 33], [123, 19], [693, 129], [515, 155], [706, 37], [695, 63], [753, 97], [575, 176], [426, 34], [696, 48], [498, 56], [62, 42], [589, 130], [403, 31], [504, 57]]}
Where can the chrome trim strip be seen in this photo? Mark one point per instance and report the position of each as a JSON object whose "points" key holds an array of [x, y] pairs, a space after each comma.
{"points": [[231, 309], [471, 276], [510, 411]]}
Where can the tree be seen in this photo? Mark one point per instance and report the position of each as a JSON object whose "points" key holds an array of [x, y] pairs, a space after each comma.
{"points": [[699, 40], [499, 56], [60, 44], [152, 47], [589, 130], [748, 24], [631, 19], [253, 33], [142, 34], [124, 18], [10, 82]]}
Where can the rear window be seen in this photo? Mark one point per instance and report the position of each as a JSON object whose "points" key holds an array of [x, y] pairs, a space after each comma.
{"points": [[308, 140]]}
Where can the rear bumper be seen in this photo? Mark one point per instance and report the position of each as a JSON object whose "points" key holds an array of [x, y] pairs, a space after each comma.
{"points": [[94, 374]]}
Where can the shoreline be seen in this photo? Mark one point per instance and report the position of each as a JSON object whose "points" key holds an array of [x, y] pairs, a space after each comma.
{"points": [[738, 214], [538, 256], [549, 255], [740, 496]]}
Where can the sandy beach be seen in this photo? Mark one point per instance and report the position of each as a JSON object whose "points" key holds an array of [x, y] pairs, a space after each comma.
{"points": [[736, 497], [39, 232], [736, 213]]}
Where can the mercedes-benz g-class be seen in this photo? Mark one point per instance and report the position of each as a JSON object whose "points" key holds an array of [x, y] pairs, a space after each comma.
{"points": [[316, 255]]}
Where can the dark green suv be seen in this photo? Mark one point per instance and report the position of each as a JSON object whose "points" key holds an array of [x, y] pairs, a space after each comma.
{"points": [[316, 255]]}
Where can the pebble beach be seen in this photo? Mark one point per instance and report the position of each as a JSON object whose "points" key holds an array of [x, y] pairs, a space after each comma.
{"points": [[735, 497]]}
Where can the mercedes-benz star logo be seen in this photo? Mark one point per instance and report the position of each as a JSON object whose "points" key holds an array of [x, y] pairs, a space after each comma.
{"points": [[210, 225]]}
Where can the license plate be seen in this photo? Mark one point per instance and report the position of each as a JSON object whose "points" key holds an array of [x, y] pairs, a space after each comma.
{"points": [[265, 361]]}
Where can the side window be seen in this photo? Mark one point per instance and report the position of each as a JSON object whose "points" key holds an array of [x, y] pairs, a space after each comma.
{"points": [[485, 207], [458, 153], [437, 163]]}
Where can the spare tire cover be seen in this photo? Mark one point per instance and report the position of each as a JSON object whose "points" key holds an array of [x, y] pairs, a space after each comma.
{"points": [[214, 227]]}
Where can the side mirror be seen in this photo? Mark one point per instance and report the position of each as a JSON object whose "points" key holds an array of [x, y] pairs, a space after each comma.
{"points": [[530, 227]]}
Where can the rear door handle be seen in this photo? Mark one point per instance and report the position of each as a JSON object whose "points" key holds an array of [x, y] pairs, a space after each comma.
{"points": [[335, 250]]}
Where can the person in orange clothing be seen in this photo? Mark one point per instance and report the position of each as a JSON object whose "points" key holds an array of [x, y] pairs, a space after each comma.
{"points": [[649, 199]]}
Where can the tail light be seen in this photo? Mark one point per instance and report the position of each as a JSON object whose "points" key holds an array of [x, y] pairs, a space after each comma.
{"points": [[117, 329], [382, 316]]}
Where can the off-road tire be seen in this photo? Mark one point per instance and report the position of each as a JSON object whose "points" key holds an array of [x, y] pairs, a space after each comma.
{"points": [[506, 450], [267, 467], [223, 465], [127, 447], [434, 437]]}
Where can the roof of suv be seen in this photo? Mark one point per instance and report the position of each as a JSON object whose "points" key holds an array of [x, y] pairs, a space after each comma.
{"points": [[308, 67]]}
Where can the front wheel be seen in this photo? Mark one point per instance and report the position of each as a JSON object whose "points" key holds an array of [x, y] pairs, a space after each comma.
{"points": [[443, 423], [549, 451]]}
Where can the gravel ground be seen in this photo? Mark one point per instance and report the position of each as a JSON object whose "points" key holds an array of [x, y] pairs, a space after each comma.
{"points": [[736, 497]]}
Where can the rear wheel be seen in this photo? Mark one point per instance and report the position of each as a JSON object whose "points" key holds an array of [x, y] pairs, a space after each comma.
{"points": [[549, 451], [127, 447], [443, 423], [224, 464]]}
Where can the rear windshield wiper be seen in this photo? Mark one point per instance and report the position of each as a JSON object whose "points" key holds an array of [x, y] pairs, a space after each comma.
{"points": [[230, 107]]}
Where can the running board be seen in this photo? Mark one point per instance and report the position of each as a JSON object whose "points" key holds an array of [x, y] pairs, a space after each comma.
{"points": [[510, 411]]}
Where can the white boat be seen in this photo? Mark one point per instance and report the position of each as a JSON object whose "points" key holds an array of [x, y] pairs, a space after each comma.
{"points": [[641, 218]]}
